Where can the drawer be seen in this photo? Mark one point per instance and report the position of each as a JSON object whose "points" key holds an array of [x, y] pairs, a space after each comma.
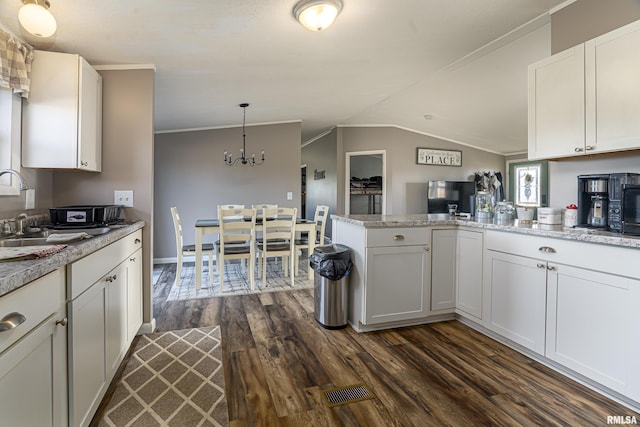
{"points": [[397, 236], [88, 270], [591, 256], [36, 301]]}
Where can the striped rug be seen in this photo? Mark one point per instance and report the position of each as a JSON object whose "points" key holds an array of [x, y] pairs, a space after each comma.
{"points": [[173, 378], [236, 281]]}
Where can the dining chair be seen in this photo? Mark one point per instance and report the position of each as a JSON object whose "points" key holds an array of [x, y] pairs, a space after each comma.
{"points": [[320, 217], [278, 239], [182, 249], [232, 232], [227, 207], [260, 209]]}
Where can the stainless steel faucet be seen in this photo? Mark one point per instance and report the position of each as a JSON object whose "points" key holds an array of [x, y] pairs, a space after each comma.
{"points": [[21, 180], [20, 224]]}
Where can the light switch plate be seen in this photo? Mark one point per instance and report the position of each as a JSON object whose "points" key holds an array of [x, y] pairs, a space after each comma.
{"points": [[30, 199], [123, 198], [289, 195]]}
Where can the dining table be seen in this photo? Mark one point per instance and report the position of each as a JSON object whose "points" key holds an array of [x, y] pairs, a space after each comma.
{"points": [[212, 226]]}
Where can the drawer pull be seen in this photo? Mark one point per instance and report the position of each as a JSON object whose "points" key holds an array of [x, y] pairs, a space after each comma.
{"points": [[547, 249], [132, 259], [550, 267], [137, 241], [590, 147], [111, 278], [62, 322], [427, 249], [11, 321], [579, 150], [540, 265], [398, 237]]}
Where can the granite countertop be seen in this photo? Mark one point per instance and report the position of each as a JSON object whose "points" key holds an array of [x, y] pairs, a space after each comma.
{"points": [[554, 231], [14, 274]]}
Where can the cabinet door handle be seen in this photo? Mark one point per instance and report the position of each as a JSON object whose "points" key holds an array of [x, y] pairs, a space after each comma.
{"points": [[137, 241], [398, 237], [11, 321], [547, 249], [550, 267], [84, 163], [579, 149], [62, 322], [539, 265], [132, 259], [111, 278], [427, 249], [589, 147]]}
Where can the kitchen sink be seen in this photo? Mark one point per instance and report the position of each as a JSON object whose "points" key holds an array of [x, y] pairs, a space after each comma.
{"points": [[19, 242], [36, 238]]}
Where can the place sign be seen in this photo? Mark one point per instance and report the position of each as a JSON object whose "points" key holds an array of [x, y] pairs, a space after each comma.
{"points": [[437, 157]]}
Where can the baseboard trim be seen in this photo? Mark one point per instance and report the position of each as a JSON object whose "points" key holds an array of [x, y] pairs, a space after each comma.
{"points": [[148, 328]]}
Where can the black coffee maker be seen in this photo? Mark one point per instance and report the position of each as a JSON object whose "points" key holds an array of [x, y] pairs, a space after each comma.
{"points": [[593, 200]]}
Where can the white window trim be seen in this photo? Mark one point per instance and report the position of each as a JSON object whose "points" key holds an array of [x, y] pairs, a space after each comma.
{"points": [[10, 133]]}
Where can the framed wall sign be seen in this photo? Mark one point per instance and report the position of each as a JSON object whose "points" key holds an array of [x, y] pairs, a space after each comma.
{"points": [[438, 157]]}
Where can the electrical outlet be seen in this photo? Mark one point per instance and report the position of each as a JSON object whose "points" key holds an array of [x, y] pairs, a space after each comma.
{"points": [[30, 199], [289, 195], [123, 198]]}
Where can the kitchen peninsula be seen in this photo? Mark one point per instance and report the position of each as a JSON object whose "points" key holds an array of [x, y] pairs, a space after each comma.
{"points": [[564, 297]]}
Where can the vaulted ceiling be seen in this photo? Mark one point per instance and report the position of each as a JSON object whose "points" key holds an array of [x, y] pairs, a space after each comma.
{"points": [[460, 62]]}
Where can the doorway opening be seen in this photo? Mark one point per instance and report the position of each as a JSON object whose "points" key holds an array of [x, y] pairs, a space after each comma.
{"points": [[365, 186]]}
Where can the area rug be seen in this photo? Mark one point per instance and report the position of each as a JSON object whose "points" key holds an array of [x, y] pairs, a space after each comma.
{"points": [[172, 379], [236, 282]]}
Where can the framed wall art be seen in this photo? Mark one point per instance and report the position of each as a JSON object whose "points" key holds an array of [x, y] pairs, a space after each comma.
{"points": [[438, 157]]}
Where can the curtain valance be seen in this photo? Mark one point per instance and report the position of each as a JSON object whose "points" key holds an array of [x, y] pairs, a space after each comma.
{"points": [[15, 64]]}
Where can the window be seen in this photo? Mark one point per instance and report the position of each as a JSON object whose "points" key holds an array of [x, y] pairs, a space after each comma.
{"points": [[10, 116], [528, 183]]}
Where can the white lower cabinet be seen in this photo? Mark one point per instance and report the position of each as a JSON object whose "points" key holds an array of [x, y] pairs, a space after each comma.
{"points": [[397, 283], [87, 353], [33, 355], [518, 299], [573, 302], [590, 325], [443, 270], [469, 281], [134, 294], [99, 312]]}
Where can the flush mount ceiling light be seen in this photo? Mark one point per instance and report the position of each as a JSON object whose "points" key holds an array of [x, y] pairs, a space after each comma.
{"points": [[316, 15], [35, 17], [251, 161]]}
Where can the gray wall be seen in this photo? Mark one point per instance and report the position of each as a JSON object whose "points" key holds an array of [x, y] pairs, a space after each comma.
{"points": [[321, 154], [191, 175], [407, 180], [127, 158], [587, 19]]}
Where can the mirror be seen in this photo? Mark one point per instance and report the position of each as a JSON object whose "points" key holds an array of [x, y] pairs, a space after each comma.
{"points": [[365, 182]]}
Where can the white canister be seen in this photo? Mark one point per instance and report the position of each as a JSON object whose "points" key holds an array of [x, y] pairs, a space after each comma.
{"points": [[571, 216], [551, 216]]}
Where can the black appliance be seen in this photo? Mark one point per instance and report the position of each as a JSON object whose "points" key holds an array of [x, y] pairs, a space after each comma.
{"points": [[600, 199], [630, 209], [442, 193], [84, 216]]}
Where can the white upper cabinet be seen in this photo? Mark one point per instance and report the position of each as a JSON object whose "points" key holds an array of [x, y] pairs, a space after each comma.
{"points": [[556, 105], [612, 67], [62, 119], [585, 100]]}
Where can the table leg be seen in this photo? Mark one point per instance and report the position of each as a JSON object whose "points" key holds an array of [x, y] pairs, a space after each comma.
{"points": [[312, 245], [199, 233]]}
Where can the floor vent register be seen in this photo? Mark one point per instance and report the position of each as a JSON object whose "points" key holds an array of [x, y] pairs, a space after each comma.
{"points": [[344, 395]]}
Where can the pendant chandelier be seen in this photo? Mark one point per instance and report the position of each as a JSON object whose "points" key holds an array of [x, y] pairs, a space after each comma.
{"points": [[251, 161]]}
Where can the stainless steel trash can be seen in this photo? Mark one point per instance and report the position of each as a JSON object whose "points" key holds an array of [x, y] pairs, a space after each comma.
{"points": [[331, 265]]}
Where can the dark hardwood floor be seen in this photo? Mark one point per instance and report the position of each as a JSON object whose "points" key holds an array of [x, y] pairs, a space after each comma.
{"points": [[277, 359]]}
